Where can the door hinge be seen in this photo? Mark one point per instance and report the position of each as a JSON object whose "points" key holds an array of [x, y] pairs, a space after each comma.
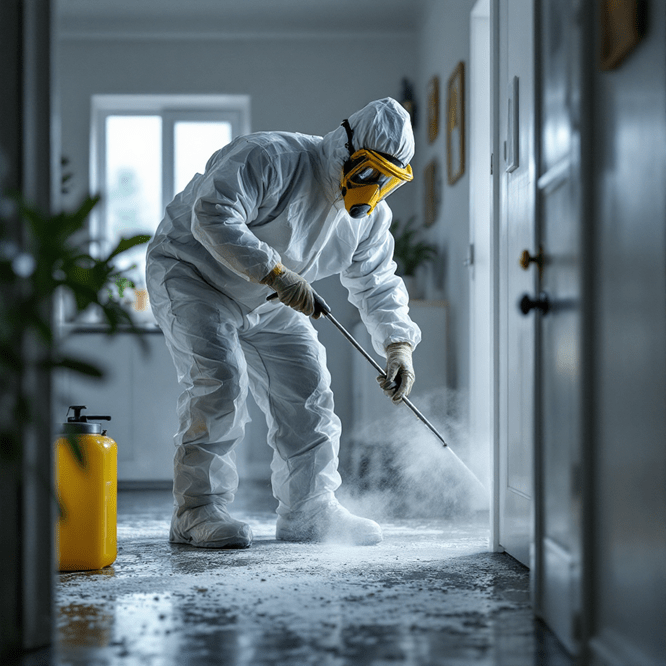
{"points": [[491, 163], [470, 256], [511, 145]]}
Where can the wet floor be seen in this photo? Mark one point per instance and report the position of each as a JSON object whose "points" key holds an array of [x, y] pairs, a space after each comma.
{"points": [[429, 594]]}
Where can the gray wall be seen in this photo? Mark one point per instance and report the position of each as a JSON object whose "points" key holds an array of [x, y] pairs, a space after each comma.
{"points": [[304, 84], [444, 41], [630, 456]]}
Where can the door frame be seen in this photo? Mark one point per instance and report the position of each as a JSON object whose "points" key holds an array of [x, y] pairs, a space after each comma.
{"points": [[493, 317], [495, 271], [481, 259]]}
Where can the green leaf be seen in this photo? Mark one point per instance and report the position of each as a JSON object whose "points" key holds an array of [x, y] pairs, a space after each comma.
{"points": [[10, 446], [9, 357], [36, 222], [84, 209], [116, 315], [83, 295], [127, 244], [122, 283], [409, 253], [42, 327], [64, 225], [77, 451], [76, 365]]}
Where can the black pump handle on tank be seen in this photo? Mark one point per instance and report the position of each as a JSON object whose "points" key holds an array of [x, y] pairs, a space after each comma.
{"points": [[83, 418]]}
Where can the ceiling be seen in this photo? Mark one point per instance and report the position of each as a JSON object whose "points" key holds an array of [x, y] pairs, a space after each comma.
{"points": [[234, 17]]}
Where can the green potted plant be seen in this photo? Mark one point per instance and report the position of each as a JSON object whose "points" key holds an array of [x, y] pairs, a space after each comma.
{"points": [[410, 252], [30, 280]]}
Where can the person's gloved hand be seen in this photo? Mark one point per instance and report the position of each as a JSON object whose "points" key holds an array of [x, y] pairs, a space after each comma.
{"points": [[399, 371], [292, 290]]}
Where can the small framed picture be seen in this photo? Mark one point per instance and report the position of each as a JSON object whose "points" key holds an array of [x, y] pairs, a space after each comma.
{"points": [[432, 193], [433, 109], [622, 27], [455, 124]]}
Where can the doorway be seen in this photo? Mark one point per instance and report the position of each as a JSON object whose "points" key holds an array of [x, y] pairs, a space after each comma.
{"points": [[482, 248]]}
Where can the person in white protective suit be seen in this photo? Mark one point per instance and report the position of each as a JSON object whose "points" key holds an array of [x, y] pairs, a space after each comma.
{"points": [[274, 212]]}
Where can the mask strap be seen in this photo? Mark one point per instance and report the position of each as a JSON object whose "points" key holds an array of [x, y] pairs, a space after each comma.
{"points": [[350, 137]]}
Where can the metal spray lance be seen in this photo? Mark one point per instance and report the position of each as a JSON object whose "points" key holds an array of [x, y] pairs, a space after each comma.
{"points": [[325, 309]]}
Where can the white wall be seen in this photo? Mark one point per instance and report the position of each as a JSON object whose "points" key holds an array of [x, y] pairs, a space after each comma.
{"points": [[296, 83], [444, 41], [630, 451]]}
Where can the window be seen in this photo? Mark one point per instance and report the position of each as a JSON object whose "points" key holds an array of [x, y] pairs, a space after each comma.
{"points": [[145, 149]]}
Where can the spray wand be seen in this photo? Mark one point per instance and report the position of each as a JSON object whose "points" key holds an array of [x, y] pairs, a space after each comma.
{"points": [[322, 306]]}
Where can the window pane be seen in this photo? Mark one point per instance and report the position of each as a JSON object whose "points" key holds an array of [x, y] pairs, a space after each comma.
{"points": [[194, 143], [133, 188]]}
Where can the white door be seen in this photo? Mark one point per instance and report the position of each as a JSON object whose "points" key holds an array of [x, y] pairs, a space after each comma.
{"points": [[558, 536], [517, 234]]}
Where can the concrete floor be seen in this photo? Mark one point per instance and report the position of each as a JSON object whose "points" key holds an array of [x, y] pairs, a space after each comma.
{"points": [[429, 594]]}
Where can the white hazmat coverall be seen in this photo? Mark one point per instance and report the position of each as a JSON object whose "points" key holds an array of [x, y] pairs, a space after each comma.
{"points": [[269, 198]]}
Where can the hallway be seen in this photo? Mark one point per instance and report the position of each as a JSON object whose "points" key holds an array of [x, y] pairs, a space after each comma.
{"points": [[429, 594]]}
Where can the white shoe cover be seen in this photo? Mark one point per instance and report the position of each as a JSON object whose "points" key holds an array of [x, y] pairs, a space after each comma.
{"points": [[209, 526], [330, 522]]}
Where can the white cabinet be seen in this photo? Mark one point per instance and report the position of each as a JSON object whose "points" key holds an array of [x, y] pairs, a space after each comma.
{"points": [[139, 391]]}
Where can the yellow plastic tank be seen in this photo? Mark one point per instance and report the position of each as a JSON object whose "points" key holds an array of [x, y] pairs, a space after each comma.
{"points": [[87, 492]]}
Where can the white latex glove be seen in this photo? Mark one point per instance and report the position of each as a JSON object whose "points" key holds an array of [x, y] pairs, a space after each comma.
{"points": [[292, 290], [399, 371]]}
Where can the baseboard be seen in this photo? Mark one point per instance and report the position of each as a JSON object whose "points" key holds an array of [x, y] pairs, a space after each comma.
{"points": [[610, 649], [163, 484]]}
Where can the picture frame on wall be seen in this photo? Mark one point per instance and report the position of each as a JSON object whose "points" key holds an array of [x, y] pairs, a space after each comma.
{"points": [[622, 27], [455, 124], [433, 108], [431, 192]]}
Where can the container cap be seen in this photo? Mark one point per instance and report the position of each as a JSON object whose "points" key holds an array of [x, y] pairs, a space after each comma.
{"points": [[80, 424]]}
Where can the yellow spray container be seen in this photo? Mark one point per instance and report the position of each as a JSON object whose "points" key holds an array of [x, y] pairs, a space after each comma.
{"points": [[87, 491]]}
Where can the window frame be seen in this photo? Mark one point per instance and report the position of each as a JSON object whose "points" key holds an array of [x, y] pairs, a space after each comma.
{"points": [[234, 109]]}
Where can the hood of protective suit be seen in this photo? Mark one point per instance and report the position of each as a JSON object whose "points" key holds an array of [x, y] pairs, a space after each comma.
{"points": [[383, 125]]}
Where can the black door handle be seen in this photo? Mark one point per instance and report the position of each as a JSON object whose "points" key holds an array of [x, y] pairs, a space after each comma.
{"points": [[542, 303]]}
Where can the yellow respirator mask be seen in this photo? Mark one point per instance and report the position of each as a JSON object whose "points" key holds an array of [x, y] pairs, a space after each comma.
{"points": [[368, 177]]}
